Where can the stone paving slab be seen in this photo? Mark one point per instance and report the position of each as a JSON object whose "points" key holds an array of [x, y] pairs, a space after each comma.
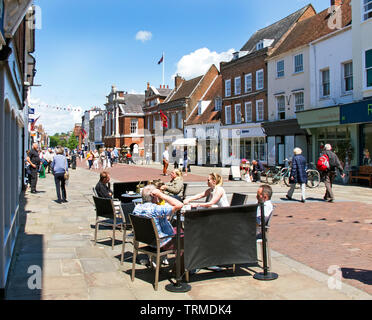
{"points": [[59, 238]]}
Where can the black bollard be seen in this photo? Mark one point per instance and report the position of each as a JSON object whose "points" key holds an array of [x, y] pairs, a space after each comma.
{"points": [[178, 286], [264, 275]]}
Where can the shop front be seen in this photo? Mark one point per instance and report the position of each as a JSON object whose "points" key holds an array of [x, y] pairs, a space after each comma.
{"points": [[243, 142], [324, 127], [282, 137], [360, 114]]}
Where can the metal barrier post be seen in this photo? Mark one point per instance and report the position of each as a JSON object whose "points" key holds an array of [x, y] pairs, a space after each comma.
{"points": [[264, 275]]}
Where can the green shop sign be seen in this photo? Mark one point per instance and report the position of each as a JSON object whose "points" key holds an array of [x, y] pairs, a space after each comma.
{"points": [[358, 112]]}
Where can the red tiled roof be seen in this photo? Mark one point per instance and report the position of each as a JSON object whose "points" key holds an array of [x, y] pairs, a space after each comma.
{"points": [[312, 28], [209, 115], [186, 88]]}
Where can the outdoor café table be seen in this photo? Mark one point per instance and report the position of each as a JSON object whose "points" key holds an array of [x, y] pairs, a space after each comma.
{"points": [[129, 197]]}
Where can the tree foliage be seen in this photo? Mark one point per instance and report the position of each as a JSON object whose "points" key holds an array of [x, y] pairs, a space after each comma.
{"points": [[72, 142]]}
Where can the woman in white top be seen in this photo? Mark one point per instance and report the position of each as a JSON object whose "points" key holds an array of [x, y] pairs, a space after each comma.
{"points": [[215, 195]]}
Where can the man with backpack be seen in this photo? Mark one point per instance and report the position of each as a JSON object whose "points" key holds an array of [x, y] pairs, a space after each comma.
{"points": [[327, 165]]}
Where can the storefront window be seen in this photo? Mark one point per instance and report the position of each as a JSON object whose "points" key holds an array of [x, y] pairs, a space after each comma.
{"points": [[335, 136], [259, 149], [367, 145]]}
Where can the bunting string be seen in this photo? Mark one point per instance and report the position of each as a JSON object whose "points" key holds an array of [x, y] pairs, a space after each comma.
{"points": [[58, 108]]}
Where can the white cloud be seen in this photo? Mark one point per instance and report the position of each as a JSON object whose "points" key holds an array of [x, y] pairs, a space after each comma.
{"points": [[56, 121], [198, 62], [143, 35]]}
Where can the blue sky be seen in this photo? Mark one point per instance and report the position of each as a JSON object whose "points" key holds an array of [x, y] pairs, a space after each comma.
{"points": [[85, 46]]}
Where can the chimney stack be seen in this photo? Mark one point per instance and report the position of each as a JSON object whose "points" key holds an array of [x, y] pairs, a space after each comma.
{"points": [[178, 80]]}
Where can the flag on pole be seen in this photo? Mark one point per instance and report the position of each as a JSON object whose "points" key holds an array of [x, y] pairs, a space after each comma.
{"points": [[161, 59], [164, 119], [33, 124], [83, 133]]}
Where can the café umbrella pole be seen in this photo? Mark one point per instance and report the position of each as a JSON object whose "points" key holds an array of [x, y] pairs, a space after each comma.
{"points": [[265, 275], [178, 286]]}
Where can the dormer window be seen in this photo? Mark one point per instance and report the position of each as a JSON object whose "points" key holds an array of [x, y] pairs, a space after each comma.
{"points": [[264, 43], [260, 45]]}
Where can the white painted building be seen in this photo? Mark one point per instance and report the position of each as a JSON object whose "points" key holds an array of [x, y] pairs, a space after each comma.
{"points": [[16, 77]]}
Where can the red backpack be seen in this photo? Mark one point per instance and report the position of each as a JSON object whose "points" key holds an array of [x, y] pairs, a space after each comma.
{"points": [[323, 163]]}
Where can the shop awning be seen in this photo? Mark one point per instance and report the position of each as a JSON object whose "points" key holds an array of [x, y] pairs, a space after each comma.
{"points": [[283, 128], [185, 142]]}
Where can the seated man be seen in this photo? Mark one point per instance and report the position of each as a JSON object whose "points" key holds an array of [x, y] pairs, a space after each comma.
{"points": [[258, 168], [264, 194], [150, 209], [103, 186]]}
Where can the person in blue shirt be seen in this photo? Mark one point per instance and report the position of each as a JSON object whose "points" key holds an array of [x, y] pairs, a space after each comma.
{"points": [[59, 167]]}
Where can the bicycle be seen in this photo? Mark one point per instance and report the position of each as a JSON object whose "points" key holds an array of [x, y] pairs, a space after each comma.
{"points": [[276, 174], [313, 177]]}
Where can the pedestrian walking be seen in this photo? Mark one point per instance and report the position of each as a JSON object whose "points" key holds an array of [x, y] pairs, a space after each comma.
{"points": [[95, 159], [109, 158], [174, 156], [90, 158], [49, 155], [328, 175], [34, 160], [165, 161], [103, 158], [59, 168], [185, 161], [298, 174], [148, 155]]}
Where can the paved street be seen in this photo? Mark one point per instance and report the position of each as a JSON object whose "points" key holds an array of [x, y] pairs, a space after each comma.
{"points": [[306, 240]]}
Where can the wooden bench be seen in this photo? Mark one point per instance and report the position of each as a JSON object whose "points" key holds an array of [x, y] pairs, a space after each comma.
{"points": [[364, 172]]}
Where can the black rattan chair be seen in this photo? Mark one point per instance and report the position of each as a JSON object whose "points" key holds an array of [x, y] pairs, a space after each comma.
{"points": [[145, 232], [105, 209], [238, 199]]}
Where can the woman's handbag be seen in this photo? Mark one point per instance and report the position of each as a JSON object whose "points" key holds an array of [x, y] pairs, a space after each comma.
{"points": [[66, 175]]}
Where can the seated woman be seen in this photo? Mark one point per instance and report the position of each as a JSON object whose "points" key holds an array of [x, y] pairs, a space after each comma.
{"points": [[215, 195], [174, 188]]}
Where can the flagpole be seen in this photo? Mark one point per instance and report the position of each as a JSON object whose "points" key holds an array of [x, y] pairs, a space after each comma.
{"points": [[163, 67]]}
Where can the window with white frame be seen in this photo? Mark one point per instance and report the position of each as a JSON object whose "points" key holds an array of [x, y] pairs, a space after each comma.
{"points": [[248, 112], [259, 79], [280, 69], [367, 9], [153, 121], [368, 64], [248, 83], [259, 110], [238, 113], [280, 104], [180, 120], [298, 63], [228, 88], [325, 82], [237, 86], [260, 45], [148, 123], [133, 126], [347, 70], [218, 104], [299, 101], [228, 114]]}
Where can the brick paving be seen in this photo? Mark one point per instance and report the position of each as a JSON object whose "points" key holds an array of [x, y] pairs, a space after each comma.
{"points": [[324, 234]]}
